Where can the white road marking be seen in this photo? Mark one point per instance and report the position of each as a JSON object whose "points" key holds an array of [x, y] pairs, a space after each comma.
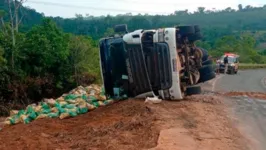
{"points": [[263, 82], [214, 82]]}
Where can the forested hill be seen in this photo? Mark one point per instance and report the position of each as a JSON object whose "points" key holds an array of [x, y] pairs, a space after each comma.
{"points": [[38, 59], [219, 23], [215, 23], [30, 16]]}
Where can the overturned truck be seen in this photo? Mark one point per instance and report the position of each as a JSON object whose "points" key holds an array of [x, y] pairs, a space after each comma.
{"points": [[163, 62]]}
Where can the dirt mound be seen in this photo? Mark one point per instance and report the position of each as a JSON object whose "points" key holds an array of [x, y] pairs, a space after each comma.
{"points": [[249, 94], [124, 125], [199, 121]]}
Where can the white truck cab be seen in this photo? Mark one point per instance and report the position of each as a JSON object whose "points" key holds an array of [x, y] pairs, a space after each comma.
{"points": [[163, 62]]}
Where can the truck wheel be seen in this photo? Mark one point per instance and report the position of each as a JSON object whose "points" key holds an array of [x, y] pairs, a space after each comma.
{"points": [[185, 30], [231, 71], [197, 28], [207, 62], [207, 77], [195, 37], [205, 54], [206, 69], [193, 90], [121, 28]]}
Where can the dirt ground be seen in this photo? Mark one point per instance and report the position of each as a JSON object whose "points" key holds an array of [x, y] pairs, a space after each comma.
{"points": [[257, 95], [200, 122]]}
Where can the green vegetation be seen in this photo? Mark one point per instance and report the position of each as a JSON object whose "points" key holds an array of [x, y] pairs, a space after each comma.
{"points": [[44, 56], [243, 45], [251, 66], [43, 61]]}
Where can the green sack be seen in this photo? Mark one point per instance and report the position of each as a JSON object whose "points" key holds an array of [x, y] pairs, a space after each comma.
{"points": [[15, 119], [96, 104], [46, 111], [32, 114], [105, 102], [21, 112], [29, 110], [83, 110], [12, 121], [92, 99], [71, 97], [84, 97], [59, 108], [72, 113], [45, 105], [38, 113], [53, 115], [27, 120], [70, 106]]}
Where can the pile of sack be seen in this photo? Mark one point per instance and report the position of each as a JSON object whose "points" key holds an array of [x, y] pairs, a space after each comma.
{"points": [[78, 101]]}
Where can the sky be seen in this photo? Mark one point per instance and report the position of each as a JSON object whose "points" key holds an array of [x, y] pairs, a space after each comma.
{"points": [[68, 8]]}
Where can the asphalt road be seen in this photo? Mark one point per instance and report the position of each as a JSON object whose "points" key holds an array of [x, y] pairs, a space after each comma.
{"points": [[249, 113], [246, 81]]}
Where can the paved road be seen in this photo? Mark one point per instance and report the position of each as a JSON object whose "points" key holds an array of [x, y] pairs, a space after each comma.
{"points": [[249, 113], [247, 81]]}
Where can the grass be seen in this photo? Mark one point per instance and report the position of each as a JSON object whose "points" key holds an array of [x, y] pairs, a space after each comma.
{"points": [[243, 66]]}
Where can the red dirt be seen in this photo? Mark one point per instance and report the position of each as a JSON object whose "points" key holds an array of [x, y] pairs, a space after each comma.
{"points": [[196, 123], [249, 94], [1, 122]]}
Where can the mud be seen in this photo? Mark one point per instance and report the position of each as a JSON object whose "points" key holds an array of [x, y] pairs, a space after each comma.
{"points": [[199, 122]]}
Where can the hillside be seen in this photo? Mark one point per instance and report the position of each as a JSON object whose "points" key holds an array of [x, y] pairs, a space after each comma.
{"points": [[49, 56], [30, 16], [214, 23]]}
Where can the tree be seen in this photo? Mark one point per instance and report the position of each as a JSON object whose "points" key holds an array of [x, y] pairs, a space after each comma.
{"points": [[240, 7], [229, 9], [83, 57], [201, 10], [15, 21], [204, 45], [183, 12], [2, 14], [79, 16], [45, 49], [248, 7], [109, 32], [2, 59]]}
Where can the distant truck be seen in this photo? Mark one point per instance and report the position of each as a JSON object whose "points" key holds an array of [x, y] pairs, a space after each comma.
{"points": [[163, 62], [233, 63]]}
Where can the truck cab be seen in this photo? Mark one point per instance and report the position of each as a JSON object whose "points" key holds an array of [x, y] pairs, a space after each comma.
{"points": [[163, 62]]}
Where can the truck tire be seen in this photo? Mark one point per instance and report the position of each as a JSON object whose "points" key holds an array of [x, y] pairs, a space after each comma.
{"points": [[193, 90], [205, 54], [207, 77], [207, 62], [232, 71], [195, 37], [186, 30], [197, 28], [206, 69], [121, 28]]}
